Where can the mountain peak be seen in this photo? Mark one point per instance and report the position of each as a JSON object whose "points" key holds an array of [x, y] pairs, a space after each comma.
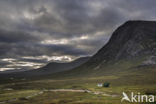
{"points": [[139, 21], [132, 39]]}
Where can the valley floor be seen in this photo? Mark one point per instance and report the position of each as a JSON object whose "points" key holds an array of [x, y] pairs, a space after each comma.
{"points": [[73, 91]]}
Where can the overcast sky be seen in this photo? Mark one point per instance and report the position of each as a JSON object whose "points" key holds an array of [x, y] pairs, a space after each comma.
{"points": [[34, 32]]}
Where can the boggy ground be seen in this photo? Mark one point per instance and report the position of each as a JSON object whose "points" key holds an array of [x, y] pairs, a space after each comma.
{"points": [[75, 90]]}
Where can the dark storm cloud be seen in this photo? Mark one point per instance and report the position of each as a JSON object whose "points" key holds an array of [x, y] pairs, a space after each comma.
{"points": [[16, 36], [75, 16], [33, 49], [36, 28]]}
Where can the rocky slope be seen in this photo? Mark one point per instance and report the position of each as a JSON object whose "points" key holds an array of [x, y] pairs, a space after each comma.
{"points": [[132, 45], [132, 39]]}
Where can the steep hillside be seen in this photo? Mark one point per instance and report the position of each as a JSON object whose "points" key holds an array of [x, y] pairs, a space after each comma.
{"points": [[132, 39], [132, 45]]}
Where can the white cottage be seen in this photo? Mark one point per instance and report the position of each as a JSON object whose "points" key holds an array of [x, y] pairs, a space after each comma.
{"points": [[100, 84]]}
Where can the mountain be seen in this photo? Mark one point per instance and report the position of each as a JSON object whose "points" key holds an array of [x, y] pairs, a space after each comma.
{"points": [[132, 45], [58, 67], [50, 68], [131, 49], [132, 39]]}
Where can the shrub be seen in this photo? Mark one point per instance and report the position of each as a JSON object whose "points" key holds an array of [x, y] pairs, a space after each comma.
{"points": [[23, 98], [106, 84]]}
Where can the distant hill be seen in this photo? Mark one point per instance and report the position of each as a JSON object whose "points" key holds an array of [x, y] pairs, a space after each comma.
{"points": [[50, 68], [132, 45], [58, 67]]}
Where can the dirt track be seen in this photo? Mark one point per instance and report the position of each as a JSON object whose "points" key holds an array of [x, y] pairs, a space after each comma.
{"points": [[62, 90]]}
